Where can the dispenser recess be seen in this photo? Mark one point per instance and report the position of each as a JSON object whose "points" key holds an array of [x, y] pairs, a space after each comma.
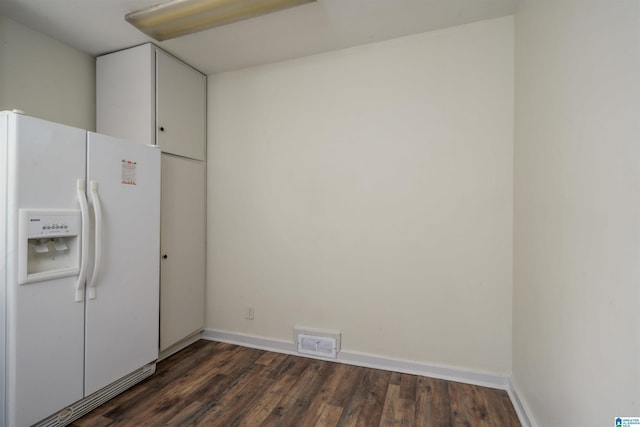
{"points": [[49, 244]]}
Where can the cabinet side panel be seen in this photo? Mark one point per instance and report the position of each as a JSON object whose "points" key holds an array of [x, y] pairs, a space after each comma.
{"points": [[125, 94]]}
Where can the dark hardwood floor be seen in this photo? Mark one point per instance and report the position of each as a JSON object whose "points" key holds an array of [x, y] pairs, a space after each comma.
{"points": [[217, 384]]}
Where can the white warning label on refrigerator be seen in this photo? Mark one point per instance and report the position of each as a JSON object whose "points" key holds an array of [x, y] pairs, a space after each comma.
{"points": [[129, 173]]}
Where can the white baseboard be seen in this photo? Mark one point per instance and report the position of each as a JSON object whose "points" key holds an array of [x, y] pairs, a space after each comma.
{"points": [[269, 344], [520, 405], [185, 342], [366, 360], [466, 376]]}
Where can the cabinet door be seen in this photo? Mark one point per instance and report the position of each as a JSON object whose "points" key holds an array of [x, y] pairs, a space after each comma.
{"points": [[181, 108], [182, 241]]}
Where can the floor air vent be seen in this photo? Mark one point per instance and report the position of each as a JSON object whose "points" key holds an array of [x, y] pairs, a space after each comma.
{"points": [[315, 343]]}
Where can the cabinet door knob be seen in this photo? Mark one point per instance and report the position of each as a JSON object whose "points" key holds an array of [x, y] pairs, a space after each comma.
{"points": [[165, 256], [161, 128]]}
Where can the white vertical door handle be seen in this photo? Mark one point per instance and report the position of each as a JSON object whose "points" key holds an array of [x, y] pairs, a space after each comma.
{"points": [[97, 261], [84, 242]]}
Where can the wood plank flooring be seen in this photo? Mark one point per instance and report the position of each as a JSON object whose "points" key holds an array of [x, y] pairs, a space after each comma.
{"points": [[217, 384]]}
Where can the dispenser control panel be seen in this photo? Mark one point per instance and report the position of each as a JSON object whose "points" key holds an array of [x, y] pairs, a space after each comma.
{"points": [[46, 225]]}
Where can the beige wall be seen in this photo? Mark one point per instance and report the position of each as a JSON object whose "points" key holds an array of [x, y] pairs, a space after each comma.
{"points": [[45, 78], [369, 191], [576, 340]]}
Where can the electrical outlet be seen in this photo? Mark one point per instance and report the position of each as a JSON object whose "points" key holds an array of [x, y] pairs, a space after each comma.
{"points": [[248, 314]]}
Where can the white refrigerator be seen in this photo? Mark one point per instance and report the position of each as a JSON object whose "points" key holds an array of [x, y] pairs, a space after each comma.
{"points": [[79, 268]]}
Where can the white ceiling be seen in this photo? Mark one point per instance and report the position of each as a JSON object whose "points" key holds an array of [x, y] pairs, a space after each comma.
{"points": [[98, 26]]}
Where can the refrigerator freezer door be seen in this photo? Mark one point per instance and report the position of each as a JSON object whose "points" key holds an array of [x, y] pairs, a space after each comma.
{"points": [[45, 327], [122, 319]]}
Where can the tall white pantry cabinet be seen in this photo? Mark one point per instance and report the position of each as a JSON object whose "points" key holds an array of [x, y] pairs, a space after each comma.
{"points": [[145, 95]]}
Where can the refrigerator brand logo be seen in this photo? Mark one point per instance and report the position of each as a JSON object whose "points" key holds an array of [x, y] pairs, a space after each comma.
{"points": [[128, 172]]}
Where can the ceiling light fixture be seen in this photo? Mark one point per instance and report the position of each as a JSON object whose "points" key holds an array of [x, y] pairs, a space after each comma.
{"points": [[180, 17]]}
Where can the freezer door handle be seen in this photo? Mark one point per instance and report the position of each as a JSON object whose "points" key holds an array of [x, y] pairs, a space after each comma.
{"points": [[97, 209], [84, 244]]}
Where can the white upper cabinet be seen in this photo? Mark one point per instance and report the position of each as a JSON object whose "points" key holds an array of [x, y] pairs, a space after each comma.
{"points": [[145, 95]]}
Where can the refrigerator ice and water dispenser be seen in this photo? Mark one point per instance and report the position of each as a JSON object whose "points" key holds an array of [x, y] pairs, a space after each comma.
{"points": [[49, 244]]}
